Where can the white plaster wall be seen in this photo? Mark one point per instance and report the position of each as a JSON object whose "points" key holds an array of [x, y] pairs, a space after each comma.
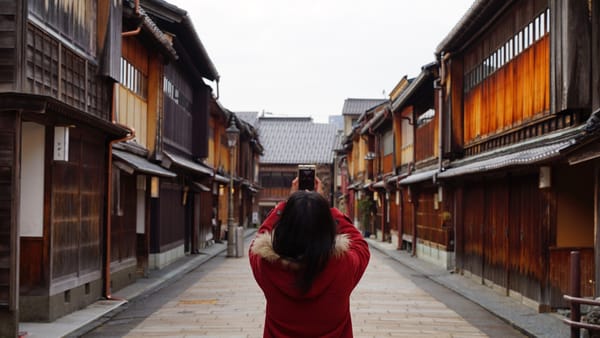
{"points": [[31, 206]]}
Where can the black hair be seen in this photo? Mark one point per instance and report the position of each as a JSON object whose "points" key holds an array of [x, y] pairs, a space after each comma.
{"points": [[305, 234]]}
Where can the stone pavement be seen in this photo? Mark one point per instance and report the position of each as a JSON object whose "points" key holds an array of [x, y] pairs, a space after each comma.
{"points": [[520, 316], [212, 306]]}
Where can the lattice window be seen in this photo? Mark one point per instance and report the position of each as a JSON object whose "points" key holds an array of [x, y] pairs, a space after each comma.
{"points": [[75, 82], [515, 45], [73, 75], [42, 63]]}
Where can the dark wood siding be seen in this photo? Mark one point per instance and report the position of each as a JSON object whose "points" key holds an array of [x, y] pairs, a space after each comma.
{"points": [[8, 168], [407, 211], [172, 216], [31, 272], [429, 226], [77, 206], [178, 115], [203, 215], [473, 228], [8, 43], [388, 164], [503, 235], [496, 231], [526, 235], [455, 103], [426, 140], [394, 211], [200, 126], [571, 54], [123, 224], [560, 261]]}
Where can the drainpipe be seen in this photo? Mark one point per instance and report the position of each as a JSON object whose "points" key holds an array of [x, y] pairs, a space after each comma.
{"points": [[137, 30], [415, 205], [440, 86], [130, 136]]}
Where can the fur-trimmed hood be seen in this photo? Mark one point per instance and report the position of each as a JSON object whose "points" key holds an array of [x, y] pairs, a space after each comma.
{"points": [[263, 247]]}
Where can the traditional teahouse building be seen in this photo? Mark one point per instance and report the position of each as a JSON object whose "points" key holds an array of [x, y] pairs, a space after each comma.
{"points": [[56, 94], [182, 138], [519, 113], [425, 231], [105, 137], [375, 128], [145, 49], [351, 156]]}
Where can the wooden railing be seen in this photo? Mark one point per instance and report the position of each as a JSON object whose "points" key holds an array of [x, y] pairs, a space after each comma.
{"points": [[534, 128], [574, 298]]}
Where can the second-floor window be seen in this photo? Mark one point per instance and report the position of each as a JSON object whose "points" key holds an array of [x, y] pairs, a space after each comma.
{"points": [[73, 22], [174, 93], [133, 79], [276, 179], [536, 29], [388, 143]]}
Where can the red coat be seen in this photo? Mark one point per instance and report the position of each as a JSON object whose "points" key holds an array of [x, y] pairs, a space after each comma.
{"points": [[324, 311]]}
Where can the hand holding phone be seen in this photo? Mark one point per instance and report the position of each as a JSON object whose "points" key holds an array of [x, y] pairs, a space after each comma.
{"points": [[306, 177]]}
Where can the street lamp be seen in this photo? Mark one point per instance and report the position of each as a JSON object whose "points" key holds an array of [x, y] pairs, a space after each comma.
{"points": [[232, 137]]}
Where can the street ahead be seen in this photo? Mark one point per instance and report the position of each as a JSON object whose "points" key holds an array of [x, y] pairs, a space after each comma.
{"points": [[221, 299]]}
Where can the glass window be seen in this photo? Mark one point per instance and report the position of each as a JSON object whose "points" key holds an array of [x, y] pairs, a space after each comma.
{"points": [[388, 143], [531, 33], [542, 24]]}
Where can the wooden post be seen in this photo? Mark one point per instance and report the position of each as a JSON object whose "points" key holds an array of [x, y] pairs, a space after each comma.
{"points": [[574, 290], [597, 229], [415, 205]]}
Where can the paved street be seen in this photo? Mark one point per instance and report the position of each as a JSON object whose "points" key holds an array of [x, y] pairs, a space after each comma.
{"points": [[221, 299]]}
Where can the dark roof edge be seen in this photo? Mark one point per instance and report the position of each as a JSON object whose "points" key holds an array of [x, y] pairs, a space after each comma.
{"points": [[470, 21], [426, 71], [173, 13]]}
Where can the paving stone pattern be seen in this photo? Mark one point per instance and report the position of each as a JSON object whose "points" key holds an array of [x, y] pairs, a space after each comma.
{"points": [[226, 302]]}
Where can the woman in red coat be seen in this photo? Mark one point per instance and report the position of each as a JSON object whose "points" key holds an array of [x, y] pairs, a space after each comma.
{"points": [[307, 258]]}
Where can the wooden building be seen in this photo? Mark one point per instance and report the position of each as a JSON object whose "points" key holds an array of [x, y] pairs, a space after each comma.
{"points": [[287, 143], [56, 88], [247, 168], [352, 152], [140, 90], [182, 207], [218, 158], [244, 168], [375, 127], [519, 85], [424, 230], [99, 100]]}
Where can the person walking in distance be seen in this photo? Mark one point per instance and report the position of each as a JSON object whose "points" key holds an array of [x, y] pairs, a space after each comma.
{"points": [[307, 258]]}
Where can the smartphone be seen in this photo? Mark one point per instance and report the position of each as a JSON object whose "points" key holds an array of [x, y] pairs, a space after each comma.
{"points": [[306, 177]]}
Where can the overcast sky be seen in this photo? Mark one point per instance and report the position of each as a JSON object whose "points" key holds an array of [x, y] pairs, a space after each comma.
{"points": [[304, 58]]}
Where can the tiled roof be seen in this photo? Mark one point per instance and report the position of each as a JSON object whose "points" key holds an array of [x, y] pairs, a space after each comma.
{"points": [[338, 144], [359, 106], [250, 117], [296, 141]]}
